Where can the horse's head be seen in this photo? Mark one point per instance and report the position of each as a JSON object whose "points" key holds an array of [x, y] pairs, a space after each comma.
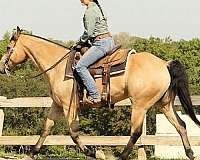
{"points": [[15, 53]]}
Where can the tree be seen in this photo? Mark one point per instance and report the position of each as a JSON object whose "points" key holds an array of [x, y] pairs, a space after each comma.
{"points": [[4, 43]]}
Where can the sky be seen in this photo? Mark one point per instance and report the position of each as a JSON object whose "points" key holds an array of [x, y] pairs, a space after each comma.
{"points": [[62, 19]]}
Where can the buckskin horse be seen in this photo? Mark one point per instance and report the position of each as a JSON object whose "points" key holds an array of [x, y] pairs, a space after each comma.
{"points": [[147, 81]]}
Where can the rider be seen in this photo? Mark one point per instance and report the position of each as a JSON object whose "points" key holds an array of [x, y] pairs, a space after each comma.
{"points": [[96, 31]]}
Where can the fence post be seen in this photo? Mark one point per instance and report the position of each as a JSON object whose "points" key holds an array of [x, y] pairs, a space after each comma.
{"points": [[1, 121], [2, 99], [141, 150]]}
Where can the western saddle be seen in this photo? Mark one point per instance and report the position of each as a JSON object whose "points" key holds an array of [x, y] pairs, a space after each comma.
{"points": [[112, 64]]}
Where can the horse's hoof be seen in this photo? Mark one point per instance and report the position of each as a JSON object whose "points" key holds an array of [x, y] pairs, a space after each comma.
{"points": [[100, 155]]}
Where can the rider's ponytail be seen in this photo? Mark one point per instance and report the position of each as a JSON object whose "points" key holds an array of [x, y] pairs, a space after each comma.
{"points": [[96, 1]]}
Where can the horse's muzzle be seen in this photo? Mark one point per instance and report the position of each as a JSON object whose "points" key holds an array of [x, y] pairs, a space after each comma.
{"points": [[2, 68]]}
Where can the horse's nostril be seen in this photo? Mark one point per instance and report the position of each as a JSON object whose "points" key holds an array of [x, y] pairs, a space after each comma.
{"points": [[2, 70]]}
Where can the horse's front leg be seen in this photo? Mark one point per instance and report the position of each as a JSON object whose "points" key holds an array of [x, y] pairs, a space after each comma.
{"points": [[73, 121], [53, 115]]}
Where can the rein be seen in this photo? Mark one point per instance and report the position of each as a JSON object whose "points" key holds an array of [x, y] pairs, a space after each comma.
{"points": [[53, 66]]}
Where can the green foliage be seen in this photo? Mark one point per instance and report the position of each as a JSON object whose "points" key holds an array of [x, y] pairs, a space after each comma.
{"points": [[125, 39], [106, 122], [4, 43], [20, 86]]}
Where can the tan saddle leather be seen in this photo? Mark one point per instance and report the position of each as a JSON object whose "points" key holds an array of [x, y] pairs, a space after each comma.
{"points": [[116, 60], [117, 57]]}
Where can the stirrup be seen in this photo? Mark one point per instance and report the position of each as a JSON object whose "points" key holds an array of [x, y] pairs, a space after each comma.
{"points": [[92, 102]]}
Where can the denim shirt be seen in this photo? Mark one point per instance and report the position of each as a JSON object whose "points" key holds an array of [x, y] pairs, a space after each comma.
{"points": [[94, 23]]}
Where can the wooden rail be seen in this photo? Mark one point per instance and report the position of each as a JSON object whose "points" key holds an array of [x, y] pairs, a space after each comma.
{"points": [[99, 140], [46, 102], [89, 140]]}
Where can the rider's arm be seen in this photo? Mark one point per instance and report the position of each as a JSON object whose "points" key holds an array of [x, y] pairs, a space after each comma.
{"points": [[90, 19]]}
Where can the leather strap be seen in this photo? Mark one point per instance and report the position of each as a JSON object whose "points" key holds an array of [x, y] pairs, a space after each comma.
{"points": [[106, 98], [102, 36]]}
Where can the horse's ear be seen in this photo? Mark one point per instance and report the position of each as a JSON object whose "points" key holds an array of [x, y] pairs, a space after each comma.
{"points": [[18, 30]]}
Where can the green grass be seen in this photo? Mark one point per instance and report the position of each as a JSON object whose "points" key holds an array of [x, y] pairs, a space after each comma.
{"points": [[63, 152]]}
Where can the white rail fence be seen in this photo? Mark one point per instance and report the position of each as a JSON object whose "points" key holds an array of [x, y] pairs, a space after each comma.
{"points": [[158, 140]]}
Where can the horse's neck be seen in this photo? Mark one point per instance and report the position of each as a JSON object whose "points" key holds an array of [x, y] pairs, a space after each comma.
{"points": [[43, 53]]}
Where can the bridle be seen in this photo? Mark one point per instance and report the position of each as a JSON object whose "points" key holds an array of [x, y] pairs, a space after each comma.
{"points": [[10, 50]]}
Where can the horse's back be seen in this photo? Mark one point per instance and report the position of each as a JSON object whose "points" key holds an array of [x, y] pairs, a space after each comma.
{"points": [[147, 58]]}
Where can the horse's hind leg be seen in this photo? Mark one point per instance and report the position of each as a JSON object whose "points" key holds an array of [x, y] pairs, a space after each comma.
{"points": [[137, 118], [180, 126], [53, 115]]}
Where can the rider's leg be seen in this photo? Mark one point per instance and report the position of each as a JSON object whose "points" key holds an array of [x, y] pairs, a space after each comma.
{"points": [[96, 52]]}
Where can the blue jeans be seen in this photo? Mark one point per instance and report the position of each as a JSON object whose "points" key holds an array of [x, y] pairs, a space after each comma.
{"points": [[98, 50]]}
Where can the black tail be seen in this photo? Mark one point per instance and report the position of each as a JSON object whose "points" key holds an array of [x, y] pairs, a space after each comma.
{"points": [[179, 85]]}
